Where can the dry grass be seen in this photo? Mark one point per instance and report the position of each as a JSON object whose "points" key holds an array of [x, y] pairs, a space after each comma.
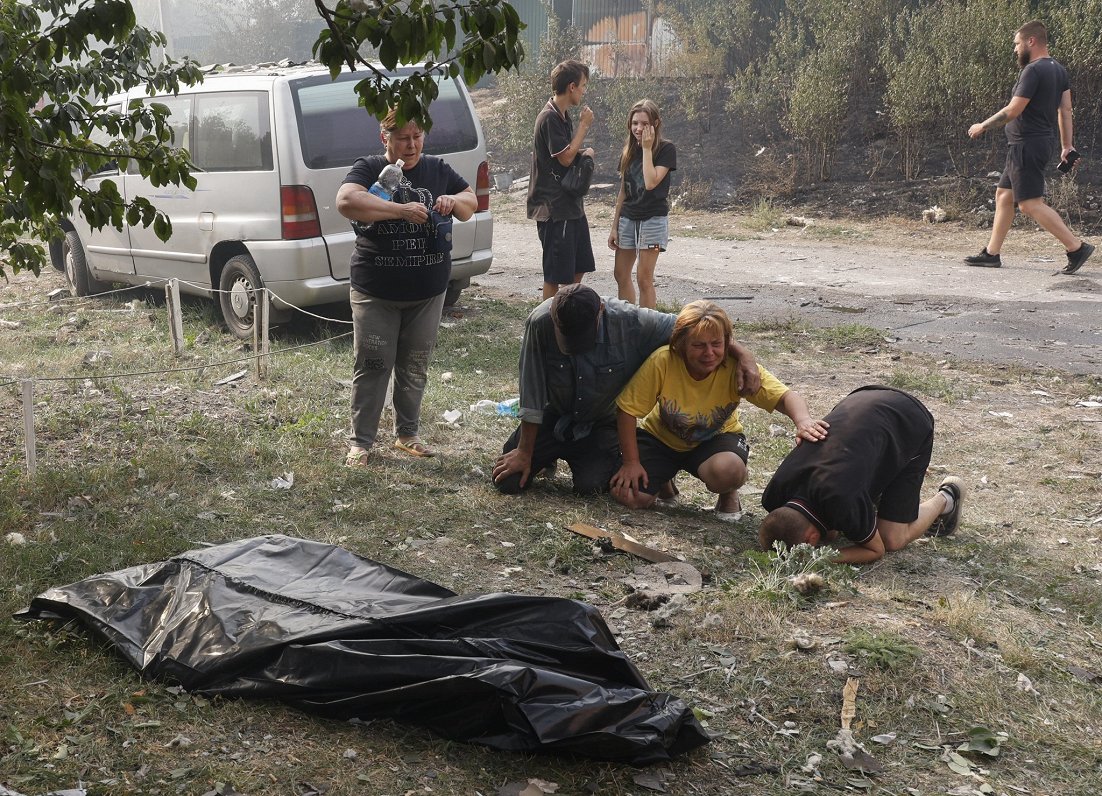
{"points": [[138, 470]]}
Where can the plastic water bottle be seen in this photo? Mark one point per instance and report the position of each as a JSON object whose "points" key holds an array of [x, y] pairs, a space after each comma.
{"points": [[506, 408], [389, 179]]}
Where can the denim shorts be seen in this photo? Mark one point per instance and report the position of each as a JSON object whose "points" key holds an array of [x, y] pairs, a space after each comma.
{"points": [[650, 233]]}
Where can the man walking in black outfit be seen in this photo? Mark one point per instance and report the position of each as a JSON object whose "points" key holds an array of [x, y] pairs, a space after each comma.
{"points": [[1040, 106]]}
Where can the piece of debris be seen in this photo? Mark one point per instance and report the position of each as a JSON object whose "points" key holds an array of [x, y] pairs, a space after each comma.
{"points": [[9, 324], [285, 481], [531, 787], [92, 357], [232, 377], [662, 616], [15, 538], [799, 221], [803, 642], [653, 780], [645, 601], [1025, 685], [618, 542], [669, 577], [852, 754], [934, 215], [807, 582], [451, 416], [58, 293]]}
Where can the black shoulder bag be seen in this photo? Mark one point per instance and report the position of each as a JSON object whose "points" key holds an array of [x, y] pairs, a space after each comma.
{"points": [[578, 177]]}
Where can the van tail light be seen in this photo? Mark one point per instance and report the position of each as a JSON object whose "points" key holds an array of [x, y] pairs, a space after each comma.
{"points": [[299, 213], [482, 185]]}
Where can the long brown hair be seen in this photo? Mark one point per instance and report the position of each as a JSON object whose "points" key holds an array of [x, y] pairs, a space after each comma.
{"points": [[631, 146]]}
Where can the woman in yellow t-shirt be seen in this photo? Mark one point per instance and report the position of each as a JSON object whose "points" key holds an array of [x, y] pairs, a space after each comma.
{"points": [[686, 394]]}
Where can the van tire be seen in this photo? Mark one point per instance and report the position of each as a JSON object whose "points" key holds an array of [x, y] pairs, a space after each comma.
{"points": [[75, 265], [240, 279]]}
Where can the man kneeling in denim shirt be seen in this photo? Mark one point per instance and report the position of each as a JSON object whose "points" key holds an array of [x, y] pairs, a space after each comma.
{"points": [[578, 352]]}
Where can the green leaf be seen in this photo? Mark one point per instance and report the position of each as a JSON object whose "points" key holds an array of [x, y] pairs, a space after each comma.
{"points": [[983, 741]]}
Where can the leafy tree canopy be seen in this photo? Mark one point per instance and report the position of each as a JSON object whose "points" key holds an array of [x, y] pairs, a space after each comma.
{"points": [[406, 31], [59, 60]]}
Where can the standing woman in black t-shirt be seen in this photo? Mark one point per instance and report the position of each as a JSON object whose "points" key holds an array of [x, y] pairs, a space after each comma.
{"points": [[640, 225], [399, 273]]}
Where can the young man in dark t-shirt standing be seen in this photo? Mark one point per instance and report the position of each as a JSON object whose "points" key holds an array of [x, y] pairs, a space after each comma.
{"points": [[862, 482], [560, 219], [1040, 106]]}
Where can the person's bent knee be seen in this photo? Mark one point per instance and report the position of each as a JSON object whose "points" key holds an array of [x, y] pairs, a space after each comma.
{"points": [[587, 487], [510, 485]]}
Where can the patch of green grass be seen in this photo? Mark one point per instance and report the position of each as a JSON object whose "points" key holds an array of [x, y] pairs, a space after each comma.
{"points": [[764, 215], [835, 231], [793, 573], [882, 650], [793, 332], [930, 384]]}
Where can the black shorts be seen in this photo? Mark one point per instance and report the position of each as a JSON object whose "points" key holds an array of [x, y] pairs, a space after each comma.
{"points": [[900, 498], [663, 462], [1024, 172], [567, 250]]}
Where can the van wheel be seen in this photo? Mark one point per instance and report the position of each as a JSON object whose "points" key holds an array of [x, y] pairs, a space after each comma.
{"points": [[239, 281], [80, 279]]}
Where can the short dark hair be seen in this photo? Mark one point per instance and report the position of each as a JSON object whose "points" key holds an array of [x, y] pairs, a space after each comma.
{"points": [[783, 524], [574, 313], [566, 73], [1034, 30]]}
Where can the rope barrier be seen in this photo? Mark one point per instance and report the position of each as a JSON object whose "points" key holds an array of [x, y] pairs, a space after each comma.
{"points": [[187, 369], [64, 299], [161, 283]]}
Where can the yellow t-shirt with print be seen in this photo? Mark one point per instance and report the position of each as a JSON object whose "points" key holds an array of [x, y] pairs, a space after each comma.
{"points": [[684, 412]]}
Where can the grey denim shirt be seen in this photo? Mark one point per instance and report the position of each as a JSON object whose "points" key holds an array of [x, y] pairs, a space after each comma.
{"points": [[581, 390]]}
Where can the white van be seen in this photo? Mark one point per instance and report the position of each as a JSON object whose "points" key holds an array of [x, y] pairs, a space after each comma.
{"points": [[271, 146]]}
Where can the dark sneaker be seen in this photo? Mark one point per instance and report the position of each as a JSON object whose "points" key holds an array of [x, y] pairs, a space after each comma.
{"points": [[984, 260], [947, 524], [1077, 258]]}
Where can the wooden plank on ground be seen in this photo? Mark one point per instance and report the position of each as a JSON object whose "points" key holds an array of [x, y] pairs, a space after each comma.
{"points": [[620, 543]]}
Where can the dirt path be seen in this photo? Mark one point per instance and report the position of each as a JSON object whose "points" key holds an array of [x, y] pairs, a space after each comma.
{"points": [[916, 288]]}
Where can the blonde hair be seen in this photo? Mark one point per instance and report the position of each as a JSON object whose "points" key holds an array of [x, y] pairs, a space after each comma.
{"points": [[631, 146], [697, 318]]}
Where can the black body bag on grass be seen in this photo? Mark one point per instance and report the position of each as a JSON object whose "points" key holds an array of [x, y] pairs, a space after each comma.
{"points": [[578, 177], [332, 633]]}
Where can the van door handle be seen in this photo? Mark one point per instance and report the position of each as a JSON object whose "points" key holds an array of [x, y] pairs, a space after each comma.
{"points": [[206, 221]]}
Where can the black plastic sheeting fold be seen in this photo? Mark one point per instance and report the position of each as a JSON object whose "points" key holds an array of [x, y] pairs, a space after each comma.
{"points": [[332, 633]]}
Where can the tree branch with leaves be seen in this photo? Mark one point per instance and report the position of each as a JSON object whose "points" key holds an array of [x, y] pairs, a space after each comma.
{"points": [[445, 39], [58, 63]]}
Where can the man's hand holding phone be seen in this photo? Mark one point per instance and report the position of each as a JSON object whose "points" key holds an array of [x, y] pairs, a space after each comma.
{"points": [[1068, 162]]}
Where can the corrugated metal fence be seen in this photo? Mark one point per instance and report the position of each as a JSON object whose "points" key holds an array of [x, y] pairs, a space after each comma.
{"points": [[621, 38]]}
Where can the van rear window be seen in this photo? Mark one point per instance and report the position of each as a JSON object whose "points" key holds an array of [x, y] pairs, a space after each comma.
{"points": [[335, 130]]}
